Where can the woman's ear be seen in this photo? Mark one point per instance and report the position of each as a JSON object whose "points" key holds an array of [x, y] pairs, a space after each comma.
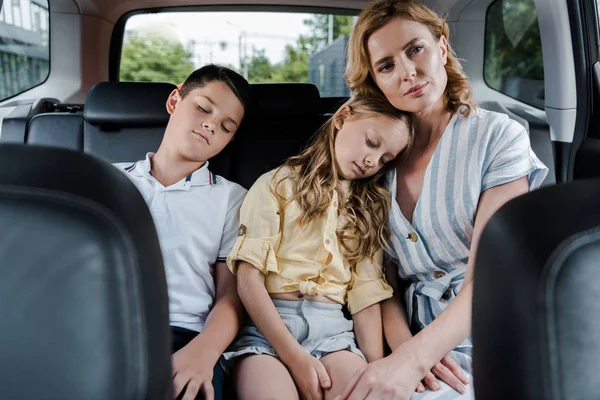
{"points": [[173, 101], [341, 115], [443, 43]]}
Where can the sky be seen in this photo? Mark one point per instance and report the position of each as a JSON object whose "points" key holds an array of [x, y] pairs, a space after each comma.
{"points": [[268, 31]]}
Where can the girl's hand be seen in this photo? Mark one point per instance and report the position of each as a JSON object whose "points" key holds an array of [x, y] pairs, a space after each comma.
{"points": [[310, 376]]}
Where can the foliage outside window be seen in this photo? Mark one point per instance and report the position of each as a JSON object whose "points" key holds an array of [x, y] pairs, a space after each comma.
{"points": [[311, 50], [513, 61]]}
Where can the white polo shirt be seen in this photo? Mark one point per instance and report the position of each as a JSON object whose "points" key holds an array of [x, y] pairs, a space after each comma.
{"points": [[197, 220]]}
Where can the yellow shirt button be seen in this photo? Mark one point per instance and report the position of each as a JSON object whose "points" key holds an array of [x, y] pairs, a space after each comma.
{"points": [[335, 204], [327, 241], [412, 236], [438, 274]]}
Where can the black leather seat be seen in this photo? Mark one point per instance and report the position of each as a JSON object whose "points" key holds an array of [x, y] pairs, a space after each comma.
{"points": [[83, 299], [281, 122], [125, 120], [57, 129], [536, 312]]}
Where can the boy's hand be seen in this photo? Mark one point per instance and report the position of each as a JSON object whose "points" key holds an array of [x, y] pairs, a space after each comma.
{"points": [[193, 370], [310, 377]]}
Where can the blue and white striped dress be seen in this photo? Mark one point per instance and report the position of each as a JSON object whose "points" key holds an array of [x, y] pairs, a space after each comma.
{"points": [[475, 153]]}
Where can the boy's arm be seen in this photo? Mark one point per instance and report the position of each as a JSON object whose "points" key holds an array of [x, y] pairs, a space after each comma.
{"points": [[369, 332], [223, 321], [193, 365]]}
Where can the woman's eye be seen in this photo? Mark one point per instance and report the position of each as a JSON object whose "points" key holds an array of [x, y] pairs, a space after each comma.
{"points": [[385, 67], [416, 49]]}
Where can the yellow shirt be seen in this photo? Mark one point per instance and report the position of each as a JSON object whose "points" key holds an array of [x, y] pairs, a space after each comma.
{"points": [[302, 258]]}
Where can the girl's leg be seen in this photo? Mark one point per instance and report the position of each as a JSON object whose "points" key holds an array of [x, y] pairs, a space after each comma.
{"points": [[340, 366], [263, 377]]}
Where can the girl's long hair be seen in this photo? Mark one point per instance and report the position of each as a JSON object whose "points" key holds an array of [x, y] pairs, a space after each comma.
{"points": [[365, 209]]}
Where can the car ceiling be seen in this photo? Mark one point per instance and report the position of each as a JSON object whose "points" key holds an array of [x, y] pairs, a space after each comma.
{"points": [[112, 10]]}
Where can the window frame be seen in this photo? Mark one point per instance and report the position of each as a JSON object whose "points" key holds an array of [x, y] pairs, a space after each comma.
{"points": [[48, 32]]}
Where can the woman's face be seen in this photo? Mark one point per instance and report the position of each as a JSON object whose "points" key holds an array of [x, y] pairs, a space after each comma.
{"points": [[407, 63]]}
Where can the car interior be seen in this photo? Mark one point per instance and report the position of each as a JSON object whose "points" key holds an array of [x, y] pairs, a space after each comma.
{"points": [[74, 255]]}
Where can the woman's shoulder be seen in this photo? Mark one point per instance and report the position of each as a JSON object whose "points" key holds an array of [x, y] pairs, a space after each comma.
{"points": [[492, 120]]}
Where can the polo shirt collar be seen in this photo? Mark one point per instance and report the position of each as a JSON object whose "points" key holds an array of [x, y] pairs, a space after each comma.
{"points": [[200, 177]]}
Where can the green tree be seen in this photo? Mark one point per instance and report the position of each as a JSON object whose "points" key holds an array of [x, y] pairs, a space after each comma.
{"points": [[259, 67], [319, 30], [513, 44], [154, 59], [294, 67]]}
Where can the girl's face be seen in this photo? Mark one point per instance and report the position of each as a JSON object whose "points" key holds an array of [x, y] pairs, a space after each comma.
{"points": [[363, 144], [408, 64]]}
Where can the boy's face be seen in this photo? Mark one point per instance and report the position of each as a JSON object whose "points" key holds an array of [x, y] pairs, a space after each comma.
{"points": [[203, 122]]}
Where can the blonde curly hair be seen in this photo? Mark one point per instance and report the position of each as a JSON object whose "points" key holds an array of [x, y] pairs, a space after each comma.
{"points": [[367, 207], [377, 14]]}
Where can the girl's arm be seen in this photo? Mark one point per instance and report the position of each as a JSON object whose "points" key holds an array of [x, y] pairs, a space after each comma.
{"points": [[395, 320], [308, 373], [369, 333], [262, 311]]}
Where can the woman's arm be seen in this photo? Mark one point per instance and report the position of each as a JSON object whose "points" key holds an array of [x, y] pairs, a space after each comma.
{"points": [[453, 325], [397, 375], [369, 333]]}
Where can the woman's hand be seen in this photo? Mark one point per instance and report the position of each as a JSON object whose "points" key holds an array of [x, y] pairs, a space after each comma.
{"points": [[392, 378], [449, 372]]}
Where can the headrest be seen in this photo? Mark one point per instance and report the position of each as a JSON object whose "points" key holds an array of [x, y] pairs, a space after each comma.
{"points": [[80, 260], [128, 104], [285, 99]]}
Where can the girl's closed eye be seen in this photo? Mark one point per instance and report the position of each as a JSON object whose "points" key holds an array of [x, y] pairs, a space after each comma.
{"points": [[370, 143]]}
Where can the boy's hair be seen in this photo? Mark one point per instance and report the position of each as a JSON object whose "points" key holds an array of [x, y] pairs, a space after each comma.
{"points": [[367, 207], [216, 73]]}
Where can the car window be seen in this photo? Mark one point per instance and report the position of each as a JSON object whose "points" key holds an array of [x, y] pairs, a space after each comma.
{"points": [[513, 61], [24, 45], [262, 46]]}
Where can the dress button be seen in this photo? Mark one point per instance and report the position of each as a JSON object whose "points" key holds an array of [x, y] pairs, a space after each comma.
{"points": [[447, 294], [412, 236], [438, 274]]}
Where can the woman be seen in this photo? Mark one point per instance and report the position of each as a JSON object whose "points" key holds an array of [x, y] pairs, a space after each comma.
{"points": [[465, 163]]}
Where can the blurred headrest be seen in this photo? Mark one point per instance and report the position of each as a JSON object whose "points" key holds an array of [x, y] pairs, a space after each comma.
{"points": [[285, 99], [128, 104]]}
